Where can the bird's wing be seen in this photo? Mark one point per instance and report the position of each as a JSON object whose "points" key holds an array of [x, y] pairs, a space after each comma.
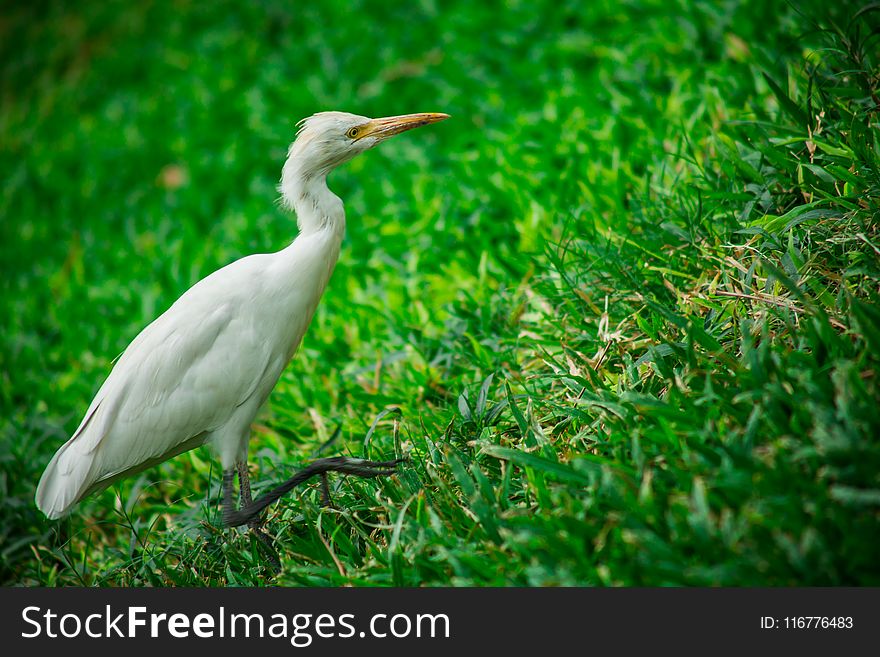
{"points": [[183, 376], [182, 382]]}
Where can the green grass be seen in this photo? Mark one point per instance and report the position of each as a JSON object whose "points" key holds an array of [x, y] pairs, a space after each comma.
{"points": [[625, 301]]}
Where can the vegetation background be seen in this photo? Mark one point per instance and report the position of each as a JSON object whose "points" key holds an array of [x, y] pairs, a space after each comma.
{"points": [[621, 309]]}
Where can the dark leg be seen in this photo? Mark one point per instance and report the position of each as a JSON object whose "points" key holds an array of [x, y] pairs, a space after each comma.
{"points": [[244, 484], [228, 504], [245, 500], [343, 464], [325, 491]]}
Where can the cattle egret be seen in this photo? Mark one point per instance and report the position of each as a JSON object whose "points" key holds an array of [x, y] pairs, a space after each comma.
{"points": [[200, 372]]}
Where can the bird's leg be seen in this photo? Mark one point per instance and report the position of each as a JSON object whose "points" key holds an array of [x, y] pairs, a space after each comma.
{"points": [[255, 525], [343, 464], [325, 491], [228, 504], [244, 485]]}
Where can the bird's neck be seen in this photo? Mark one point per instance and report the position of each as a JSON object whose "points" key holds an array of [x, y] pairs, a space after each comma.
{"points": [[316, 207]]}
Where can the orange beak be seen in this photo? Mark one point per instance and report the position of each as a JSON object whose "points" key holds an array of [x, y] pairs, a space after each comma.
{"points": [[394, 125]]}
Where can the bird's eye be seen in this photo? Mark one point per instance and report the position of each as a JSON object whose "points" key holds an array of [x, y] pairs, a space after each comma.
{"points": [[352, 133]]}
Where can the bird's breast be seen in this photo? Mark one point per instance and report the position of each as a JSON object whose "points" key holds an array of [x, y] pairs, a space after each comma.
{"points": [[300, 277]]}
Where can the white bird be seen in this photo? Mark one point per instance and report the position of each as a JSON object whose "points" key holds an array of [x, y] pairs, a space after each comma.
{"points": [[200, 372]]}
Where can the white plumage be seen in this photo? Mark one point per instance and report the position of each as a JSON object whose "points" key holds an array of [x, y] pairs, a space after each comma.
{"points": [[200, 372]]}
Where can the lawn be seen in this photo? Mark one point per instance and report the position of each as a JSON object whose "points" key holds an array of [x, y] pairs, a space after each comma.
{"points": [[621, 310]]}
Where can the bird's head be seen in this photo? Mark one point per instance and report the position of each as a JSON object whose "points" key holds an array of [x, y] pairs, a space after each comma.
{"points": [[328, 139]]}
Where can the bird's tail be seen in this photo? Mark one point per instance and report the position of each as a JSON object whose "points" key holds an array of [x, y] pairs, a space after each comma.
{"points": [[65, 480], [70, 473]]}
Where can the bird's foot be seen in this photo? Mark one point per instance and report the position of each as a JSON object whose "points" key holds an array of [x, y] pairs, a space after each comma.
{"points": [[358, 467], [342, 464]]}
